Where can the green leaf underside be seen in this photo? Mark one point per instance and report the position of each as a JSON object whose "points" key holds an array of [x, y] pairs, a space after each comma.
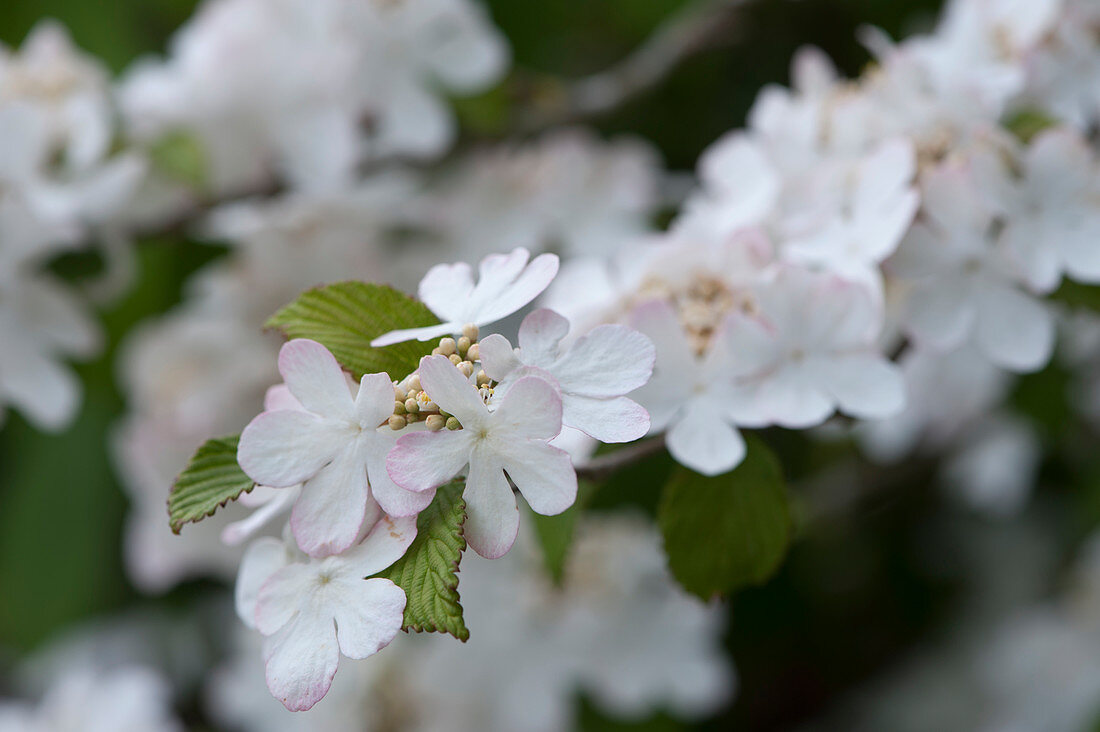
{"points": [[346, 316], [725, 532], [211, 479], [428, 573]]}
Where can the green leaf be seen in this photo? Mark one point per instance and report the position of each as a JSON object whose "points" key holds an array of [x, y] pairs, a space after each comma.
{"points": [[181, 157], [1078, 295], [725, 532], [428, 573], [555, 533], [211, 479], [1029, 122], [346, 316]]}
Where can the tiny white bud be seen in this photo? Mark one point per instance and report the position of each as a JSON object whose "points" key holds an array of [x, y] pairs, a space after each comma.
{"points": [[482, 378], [447, 346], [455, 359], [470, 331], [396, 422], [474, 353], [399, 408], [411, 406], [453, 424], [463, 345], [414, 383], [466, 368], [435, 422], [399, 393]]}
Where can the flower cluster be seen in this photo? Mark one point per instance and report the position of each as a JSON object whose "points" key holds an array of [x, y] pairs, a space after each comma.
{"points": [[358, 462]]}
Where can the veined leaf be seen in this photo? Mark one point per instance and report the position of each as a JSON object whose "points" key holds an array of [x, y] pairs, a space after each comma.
{"points": [[728, 531], [211, 479], [428, 573], [346, 316]]}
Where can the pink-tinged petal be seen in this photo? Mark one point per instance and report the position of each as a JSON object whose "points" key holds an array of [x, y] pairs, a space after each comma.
{"points": [[675, 367], [394, 500], [238, 531], [539, 336], [422, 461], [374, 403], [446, 286], [316, 379], [283, 595], [368, 616], [790, 398], [611, 360], [531, 282], [327, 517], [608, 420], [865, 385], [301, 662], [543, 474], [530, 410], [704, 441], [261, 560], [386, 542], [498, 358], [284, 448], [1015, 331], [279, 397], [426, 333], [452, 391], [492, 518]]}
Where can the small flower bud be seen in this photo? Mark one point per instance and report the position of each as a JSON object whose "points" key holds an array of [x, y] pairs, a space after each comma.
{"points": [[435, 422], [414, 383], [447, 346], [482, 378], [455, 359], [474, 353], [466, 368], [410, 418], [396, 422], [463, 345], [443, 414], [470, 331], [453, 424], [437, 351], [399, 408], [399, 393], [411, 406]]}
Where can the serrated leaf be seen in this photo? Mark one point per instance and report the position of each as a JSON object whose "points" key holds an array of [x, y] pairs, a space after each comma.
{"points": [[211, 479], [346, 316], [725, 532], [428, 573]]}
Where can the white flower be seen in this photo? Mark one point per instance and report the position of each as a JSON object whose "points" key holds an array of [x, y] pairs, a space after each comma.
{"points": [[592, 374], [810, 348], [689, 396], [312, 610], [330, 447], [513, 438], [506, 282], [858, 213], [128, 699], [740, 186], [995, 467], [961, 286], [1050, 209]]}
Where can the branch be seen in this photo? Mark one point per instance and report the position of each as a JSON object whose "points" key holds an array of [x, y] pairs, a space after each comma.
{"points": [[604, 465], [700, 26]]}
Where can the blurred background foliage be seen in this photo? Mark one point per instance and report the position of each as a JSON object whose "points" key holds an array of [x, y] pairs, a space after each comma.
{"points": [[861, 587]]}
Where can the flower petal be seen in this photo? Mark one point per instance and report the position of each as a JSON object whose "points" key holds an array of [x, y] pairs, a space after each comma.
{"points": [[368, 615], [864, 385], [498, 358], [539, 336], [611, 360], [422, 461], [329, 513], [704, 441], [498, 298], [386, 542], [543, 474], [1014, 330], [315, 379], [426, 333], [279, 397], [394, 500], [263, 558], [301, 661], [608, 420], [374, 402], [452, 391], [286, 447], [238, 531], [530, 410], [492, 518]]}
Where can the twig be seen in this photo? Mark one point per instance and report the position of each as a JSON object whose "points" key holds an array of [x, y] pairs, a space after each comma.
{"points": [[701, 25], [605, 465]]}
